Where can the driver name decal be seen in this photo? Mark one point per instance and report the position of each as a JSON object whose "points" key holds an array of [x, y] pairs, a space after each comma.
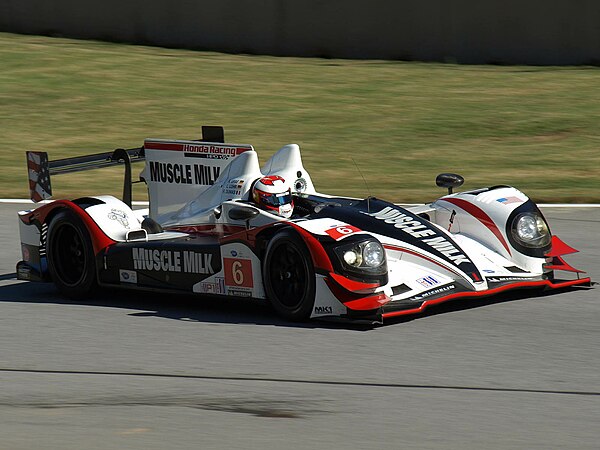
{"points": [[172, 261]]}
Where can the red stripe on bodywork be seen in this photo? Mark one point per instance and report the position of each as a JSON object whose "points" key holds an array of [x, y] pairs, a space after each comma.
{"points": [[357, 302], [99, 239], [354, 286], [163, 146], [217, 229], [524, 284], [319, 255], [368, 303], [482, 216]]}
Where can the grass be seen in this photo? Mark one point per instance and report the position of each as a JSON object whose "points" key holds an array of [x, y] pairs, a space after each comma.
{"points": [[537, 128]]}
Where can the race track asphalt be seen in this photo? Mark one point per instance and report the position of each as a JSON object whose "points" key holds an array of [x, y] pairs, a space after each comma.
{"points": [[141, 371]]}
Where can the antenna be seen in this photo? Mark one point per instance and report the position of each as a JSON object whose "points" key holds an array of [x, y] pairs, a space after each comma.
{"points": [[365, 181]]}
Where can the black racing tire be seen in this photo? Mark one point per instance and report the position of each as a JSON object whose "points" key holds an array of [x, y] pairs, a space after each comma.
{"points": [[289, 276], [70, 253]]}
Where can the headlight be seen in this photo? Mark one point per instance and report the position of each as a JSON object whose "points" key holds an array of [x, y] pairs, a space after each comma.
{"points": [[530, 230], [352, 258], [365, 255], [373, 254]]}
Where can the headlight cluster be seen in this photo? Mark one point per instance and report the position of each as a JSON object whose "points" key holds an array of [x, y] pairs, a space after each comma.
{"points": [[362, 255], [530, 230]]}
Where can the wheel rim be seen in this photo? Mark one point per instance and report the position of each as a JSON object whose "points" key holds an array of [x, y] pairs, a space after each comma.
{"points": [[288, 275], [68, 252]]}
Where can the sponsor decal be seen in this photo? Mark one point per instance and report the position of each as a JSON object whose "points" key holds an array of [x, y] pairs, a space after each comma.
{"points": [[420, 231], [172, 261], [503, 279], [119, 216], [447, 249], [198, 174], [216, 287], [238, 272], [403, 222], [509, 200], [128, 276], [24, 273], [432, 292], [211, 151], [428, 281], [341, 232], [323, 310], [488, 271], [237, 292]]}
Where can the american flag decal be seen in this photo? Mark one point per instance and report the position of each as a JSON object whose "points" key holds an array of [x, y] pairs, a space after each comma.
{"points": [[509, 200], [39, 176]]}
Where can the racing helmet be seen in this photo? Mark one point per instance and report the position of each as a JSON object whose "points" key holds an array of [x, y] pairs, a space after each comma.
{"points": [[274, 195]]}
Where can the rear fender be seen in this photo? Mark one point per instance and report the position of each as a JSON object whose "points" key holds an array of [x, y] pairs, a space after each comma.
{"points": [[106, 218], [33, 228], [113, 217]]}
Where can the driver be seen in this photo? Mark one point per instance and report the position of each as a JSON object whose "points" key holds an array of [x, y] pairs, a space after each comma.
{"points": [[274, 195]]}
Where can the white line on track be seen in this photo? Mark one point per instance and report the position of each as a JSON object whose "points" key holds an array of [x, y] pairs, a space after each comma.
{"points": [[25, 201]]}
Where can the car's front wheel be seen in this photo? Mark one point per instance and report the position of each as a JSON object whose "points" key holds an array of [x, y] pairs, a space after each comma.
{"points": [[289, 276], [70, 255]]}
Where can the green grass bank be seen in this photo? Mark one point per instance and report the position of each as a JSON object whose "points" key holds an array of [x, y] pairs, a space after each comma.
{"points": [[537, 128]]}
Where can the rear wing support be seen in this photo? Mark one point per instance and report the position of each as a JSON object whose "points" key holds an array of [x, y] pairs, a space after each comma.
{"points": [[40, 169]]}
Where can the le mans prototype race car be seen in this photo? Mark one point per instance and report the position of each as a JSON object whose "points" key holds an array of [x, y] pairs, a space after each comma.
{"points": [[335, 257]]}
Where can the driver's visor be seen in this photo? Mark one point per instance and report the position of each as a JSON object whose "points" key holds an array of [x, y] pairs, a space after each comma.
{"points": [[277, 199]]}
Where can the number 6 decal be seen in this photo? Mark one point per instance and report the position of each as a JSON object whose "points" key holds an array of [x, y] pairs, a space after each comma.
{"points": [[238, 272], [238, 275], [342, 231]]}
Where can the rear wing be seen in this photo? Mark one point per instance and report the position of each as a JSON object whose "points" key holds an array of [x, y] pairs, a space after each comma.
{"points": [[40, 168]]}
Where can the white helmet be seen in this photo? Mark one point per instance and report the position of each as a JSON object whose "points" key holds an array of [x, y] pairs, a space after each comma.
{"points": [[273, 194]]}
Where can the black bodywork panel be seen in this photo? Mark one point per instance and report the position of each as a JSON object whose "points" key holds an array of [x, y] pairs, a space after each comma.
{"points": [[173, 264]]}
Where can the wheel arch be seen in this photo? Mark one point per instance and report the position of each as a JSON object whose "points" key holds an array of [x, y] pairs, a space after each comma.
{"points": [[45, 214], [319, 256]]}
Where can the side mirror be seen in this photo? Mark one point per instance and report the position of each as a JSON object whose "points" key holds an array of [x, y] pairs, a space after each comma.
{"points": [[242, 213], [449, 180]]}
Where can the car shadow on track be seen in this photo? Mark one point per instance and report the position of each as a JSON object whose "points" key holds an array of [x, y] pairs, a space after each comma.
{"points": [[222, 310], [189, 308]]}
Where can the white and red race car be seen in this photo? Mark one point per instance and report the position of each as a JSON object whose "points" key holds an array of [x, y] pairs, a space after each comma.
{"points": [[336, 257]]}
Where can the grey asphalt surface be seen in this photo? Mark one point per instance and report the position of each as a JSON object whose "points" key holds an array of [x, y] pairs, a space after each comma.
{"points": [[140, 371]]}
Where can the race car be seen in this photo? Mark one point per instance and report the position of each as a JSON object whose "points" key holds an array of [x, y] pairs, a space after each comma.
{"points": [[219, 224]]}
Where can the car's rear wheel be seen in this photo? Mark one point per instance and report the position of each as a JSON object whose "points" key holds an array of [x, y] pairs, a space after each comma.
{"points": [[289, 276], [70, 254]]}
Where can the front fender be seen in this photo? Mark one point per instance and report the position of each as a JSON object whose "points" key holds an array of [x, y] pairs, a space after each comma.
{"points": [[484, 216]]}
